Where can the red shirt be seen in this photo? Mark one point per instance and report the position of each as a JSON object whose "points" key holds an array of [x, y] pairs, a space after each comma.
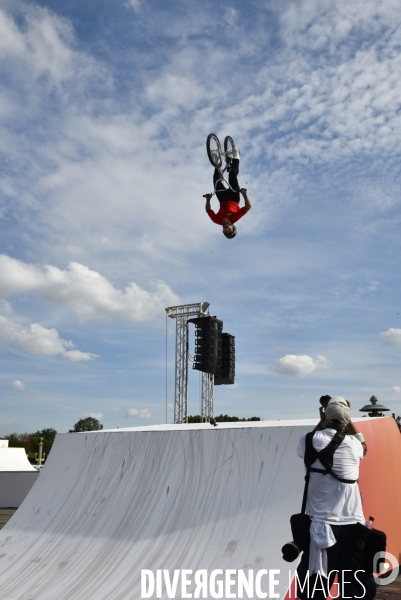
{"points": [[228, 209]]}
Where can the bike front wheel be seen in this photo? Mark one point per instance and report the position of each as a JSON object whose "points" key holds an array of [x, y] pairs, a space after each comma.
{"points": [[228, 146], [213, 149]]}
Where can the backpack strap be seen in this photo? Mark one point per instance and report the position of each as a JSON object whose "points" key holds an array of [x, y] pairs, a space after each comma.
{"points": [[309, 459], [311, 454], [325, 456]]}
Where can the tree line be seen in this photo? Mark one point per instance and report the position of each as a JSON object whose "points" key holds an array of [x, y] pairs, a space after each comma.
{"points": [[30, 441], [221, 419]]}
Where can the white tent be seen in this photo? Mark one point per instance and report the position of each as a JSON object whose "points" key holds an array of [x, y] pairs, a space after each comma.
{"points": [[17, 475], [14, 459]]}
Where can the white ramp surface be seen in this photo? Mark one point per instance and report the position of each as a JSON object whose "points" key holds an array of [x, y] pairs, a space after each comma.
{"points": [[14, 459], [111, 503]]}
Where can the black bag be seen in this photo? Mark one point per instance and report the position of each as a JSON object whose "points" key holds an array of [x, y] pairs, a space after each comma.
{"points": [[360, 534], [370, 541], [300, 527], [376, 542]]}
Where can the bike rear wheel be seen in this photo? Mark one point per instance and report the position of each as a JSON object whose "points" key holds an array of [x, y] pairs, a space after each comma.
{"points": [[228, 146], [213, 149]]}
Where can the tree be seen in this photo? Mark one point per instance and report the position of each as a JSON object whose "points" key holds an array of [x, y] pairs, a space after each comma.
{"points": [[226, 418], [194, 419], [30, 444], [14, 440], [87, 424], [48, 435], [221, 419], [29, 441]]}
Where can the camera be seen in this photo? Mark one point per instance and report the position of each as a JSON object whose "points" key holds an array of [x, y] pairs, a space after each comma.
{"points": [[324, 400]]}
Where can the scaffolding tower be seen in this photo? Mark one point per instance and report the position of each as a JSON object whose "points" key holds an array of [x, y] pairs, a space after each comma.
{"points": [[181, 314]]}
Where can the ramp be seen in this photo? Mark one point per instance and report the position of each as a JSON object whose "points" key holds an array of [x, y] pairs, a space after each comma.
{"points": [[17, 475], [111, 503]]}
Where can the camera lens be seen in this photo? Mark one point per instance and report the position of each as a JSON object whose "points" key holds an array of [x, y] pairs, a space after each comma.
{"points": [[324, 400], [290, 551]]}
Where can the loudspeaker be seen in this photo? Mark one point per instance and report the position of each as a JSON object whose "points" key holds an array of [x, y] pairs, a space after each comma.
{"points": [[208, 344], [226, 373]]}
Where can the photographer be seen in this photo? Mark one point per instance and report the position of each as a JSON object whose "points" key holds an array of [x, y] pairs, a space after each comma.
{"points": [[335, 507]]}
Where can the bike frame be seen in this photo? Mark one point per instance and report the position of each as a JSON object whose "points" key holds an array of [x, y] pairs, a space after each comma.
{"points": [[221, 178]]}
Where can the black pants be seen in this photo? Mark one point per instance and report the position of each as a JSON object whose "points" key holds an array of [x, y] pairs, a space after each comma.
{"points": [[223, 193], [346, 558]]}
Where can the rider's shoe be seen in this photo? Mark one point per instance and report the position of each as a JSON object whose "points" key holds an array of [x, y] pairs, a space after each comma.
{"points": [[235, 153], [230, 155]]}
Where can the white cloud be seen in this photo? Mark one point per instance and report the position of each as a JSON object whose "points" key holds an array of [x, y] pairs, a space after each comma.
{"points": [[43, 45], [5, 308], [89, 294], [95, 171], [396, 388], [39, 341], [231, 16], [99, 416], [139, 413], [18, 385], [392, 336], [294, 364], [322, 24], [135, 4]]}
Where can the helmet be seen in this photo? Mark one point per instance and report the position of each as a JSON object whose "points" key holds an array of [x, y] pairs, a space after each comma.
{"points": [[231, 234]]}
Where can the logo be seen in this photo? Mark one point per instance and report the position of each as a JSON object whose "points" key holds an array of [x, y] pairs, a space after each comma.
{"points": [[385, 562]]}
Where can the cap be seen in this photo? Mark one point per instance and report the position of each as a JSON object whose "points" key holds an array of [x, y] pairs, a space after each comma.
{"points": [[337, 413]]}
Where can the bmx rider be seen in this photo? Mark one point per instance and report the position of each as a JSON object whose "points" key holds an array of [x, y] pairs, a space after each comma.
{"points": [[230, 211]]}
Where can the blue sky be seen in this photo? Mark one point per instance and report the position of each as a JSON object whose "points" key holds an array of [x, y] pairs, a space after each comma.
{"points": [[104, 112]]}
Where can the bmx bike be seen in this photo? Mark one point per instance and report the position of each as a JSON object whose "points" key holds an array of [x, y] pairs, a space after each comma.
{"points": [[216, 155]]}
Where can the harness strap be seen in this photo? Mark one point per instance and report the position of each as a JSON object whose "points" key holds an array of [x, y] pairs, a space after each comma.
{"points": [[323, 472], [325, 456]]}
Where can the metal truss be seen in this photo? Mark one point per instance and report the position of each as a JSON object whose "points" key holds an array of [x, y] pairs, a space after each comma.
{"points": [[181, 314], [207, 396]]}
